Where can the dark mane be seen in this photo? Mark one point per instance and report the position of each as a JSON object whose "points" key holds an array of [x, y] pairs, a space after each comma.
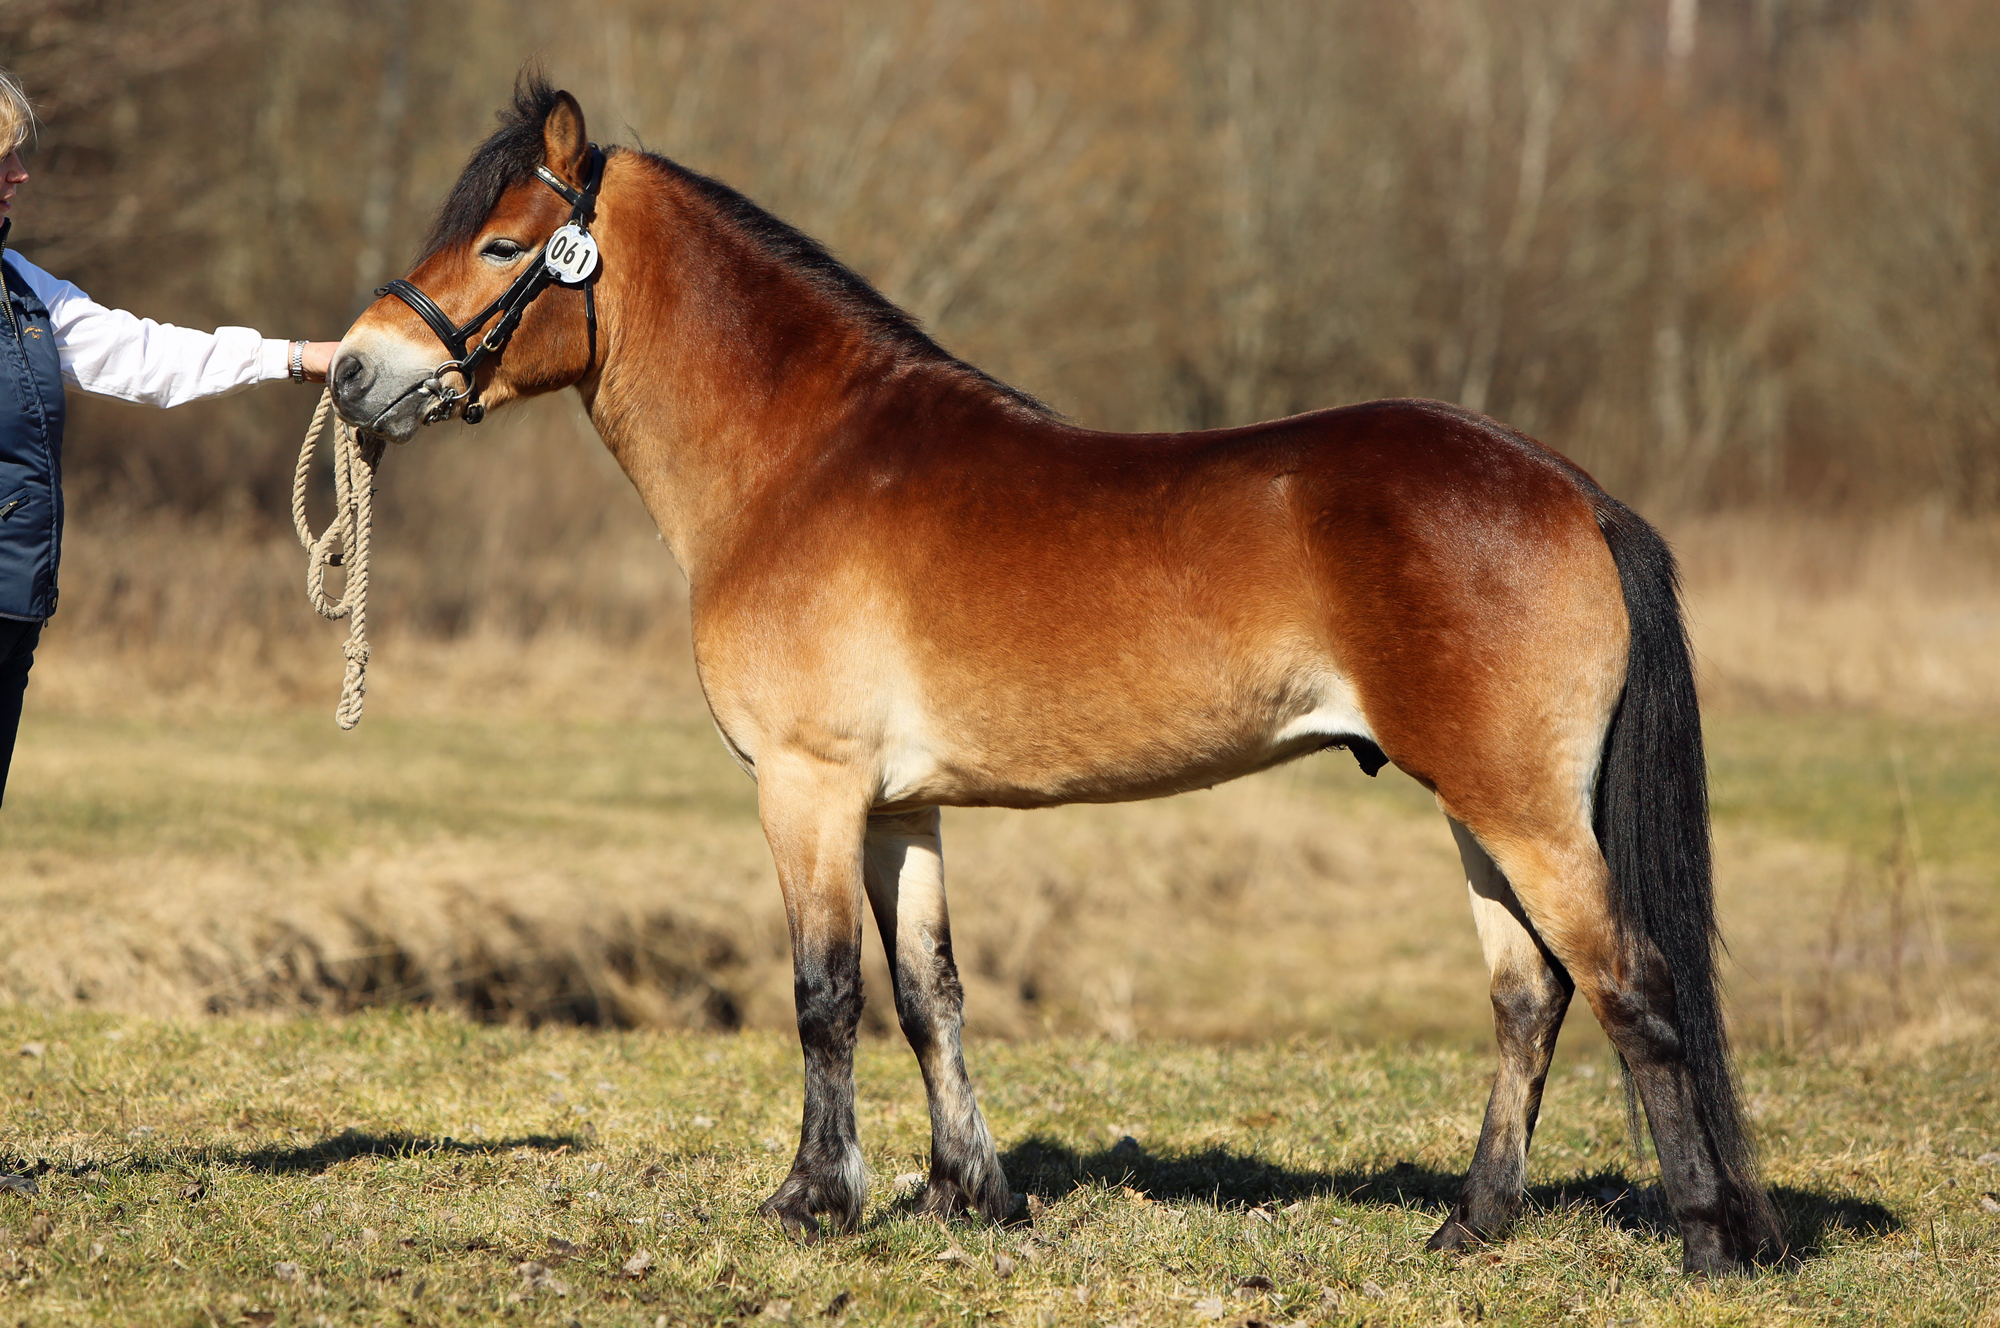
{"points": [[505, 159], [850, 291], [515, 149]]}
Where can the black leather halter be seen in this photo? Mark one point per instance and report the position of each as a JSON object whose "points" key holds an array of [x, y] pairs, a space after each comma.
{"points": [[513, 303]]}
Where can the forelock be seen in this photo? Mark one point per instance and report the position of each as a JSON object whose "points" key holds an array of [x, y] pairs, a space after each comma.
{"points": [[507, 158]]}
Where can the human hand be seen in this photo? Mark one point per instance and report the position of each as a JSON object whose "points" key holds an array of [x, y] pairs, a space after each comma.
{"points": [[318, 359]]}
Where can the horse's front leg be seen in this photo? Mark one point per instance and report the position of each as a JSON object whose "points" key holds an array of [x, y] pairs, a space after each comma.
{"points": [[814, 816], [904, 871]]}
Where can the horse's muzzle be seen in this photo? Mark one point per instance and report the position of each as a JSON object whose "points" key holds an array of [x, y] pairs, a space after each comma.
{"points": [[381, 386]]}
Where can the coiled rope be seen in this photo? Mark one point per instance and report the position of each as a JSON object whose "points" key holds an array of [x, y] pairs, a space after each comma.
{"points": [[344, 543]]}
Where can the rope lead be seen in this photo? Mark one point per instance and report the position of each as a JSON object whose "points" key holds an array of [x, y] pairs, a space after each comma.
{"points": [[344, 544]]}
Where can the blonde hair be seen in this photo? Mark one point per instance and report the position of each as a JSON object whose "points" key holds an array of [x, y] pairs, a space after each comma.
{"points": [[17, 114]]}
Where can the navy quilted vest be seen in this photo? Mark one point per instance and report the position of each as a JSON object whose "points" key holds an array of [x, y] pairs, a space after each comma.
{"points": [[31, 431]]}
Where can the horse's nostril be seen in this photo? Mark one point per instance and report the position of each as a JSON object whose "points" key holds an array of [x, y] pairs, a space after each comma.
{"points": [[347, 369]]}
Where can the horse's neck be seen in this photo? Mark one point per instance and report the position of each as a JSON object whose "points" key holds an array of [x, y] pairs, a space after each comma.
{"points": [[728, 372]]}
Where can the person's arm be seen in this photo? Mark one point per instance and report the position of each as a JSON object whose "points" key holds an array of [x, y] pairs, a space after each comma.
{"points": [[109, 352]]}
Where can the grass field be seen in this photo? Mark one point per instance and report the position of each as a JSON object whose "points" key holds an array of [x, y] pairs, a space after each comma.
{"points": [[411, 1167], [614, 873], [1235, 1044]]}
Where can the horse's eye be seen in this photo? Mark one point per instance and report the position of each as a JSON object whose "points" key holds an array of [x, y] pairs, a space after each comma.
{"points": [[502, 251]]}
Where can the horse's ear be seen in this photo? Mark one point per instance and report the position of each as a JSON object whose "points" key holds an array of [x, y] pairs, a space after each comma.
{"points": [[565, 145]]}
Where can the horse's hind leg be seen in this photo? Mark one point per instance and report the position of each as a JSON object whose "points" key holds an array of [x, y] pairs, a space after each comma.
{"points": [[904, 871], [1530, 992], [1563, 884]]}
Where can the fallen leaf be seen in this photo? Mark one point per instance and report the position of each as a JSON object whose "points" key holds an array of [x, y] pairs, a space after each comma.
{"points": [[1298, 1207], [35, 1049], [260, 1318], [953, 1254], [837, 1306], [1037, 1210], [96, 1252], [1254, 1282], [1003, 1263], [285, 1272], [1990, 1159], [560, 1249], [638, 1265], [1209, 1307], [1990, 1202], [25, 1186], [194, 1190], [778, 1311], [907, 1183], [1372, 1291], [1262, 1213], [40, 1228]]}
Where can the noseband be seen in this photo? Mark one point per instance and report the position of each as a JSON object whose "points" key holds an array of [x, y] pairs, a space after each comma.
{"points": [[568, 259]]}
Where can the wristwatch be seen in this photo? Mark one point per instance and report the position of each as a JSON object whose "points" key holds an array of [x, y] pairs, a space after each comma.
{"points": [[298, 361]]}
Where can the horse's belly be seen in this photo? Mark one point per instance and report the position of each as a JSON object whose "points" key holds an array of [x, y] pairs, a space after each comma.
{"points": [[1096, 747]]}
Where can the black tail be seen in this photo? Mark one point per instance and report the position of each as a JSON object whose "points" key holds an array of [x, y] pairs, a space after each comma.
{"points": [[1652, 825]]}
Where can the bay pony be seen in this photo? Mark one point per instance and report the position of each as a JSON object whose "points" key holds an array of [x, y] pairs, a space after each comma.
{"points": [[913, 586]]}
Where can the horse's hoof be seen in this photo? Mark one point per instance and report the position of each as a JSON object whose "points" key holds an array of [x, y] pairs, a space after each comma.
{"points": [[1454, 1237], [1712, 1263], [797, 1222], [941, 1199], [946, 1199]]}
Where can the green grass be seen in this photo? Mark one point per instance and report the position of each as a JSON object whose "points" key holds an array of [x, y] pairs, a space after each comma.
{"points": [[1834, 778], [292, 784], [414, 1168], [239, 783]]}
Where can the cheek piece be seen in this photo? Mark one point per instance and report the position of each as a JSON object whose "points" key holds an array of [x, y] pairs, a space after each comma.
{"points": [[568, 259]]}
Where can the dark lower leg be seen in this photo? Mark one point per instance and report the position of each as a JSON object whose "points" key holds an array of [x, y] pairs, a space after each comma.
{"points": [[1527, 1018], [827, 1176], [1530, 994], [1725, 1221], [904, 875]]}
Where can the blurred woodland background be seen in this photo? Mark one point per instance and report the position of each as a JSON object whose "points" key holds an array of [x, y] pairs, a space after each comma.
{"points": [[1738, 258], [1723, 253]]}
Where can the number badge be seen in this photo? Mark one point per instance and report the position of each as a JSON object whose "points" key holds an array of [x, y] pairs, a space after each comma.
{"points": [[571, 255]]}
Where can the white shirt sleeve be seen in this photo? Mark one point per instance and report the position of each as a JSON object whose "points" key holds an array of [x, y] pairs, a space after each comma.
{"points": [[110, 353]]}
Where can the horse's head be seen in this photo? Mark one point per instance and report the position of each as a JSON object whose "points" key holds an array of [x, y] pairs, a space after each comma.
{"points": [[423, 351]]}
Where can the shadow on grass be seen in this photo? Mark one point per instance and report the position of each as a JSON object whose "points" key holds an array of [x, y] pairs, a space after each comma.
{"points": [[313, 1158], [1227, 1178], [349, 1144]]}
